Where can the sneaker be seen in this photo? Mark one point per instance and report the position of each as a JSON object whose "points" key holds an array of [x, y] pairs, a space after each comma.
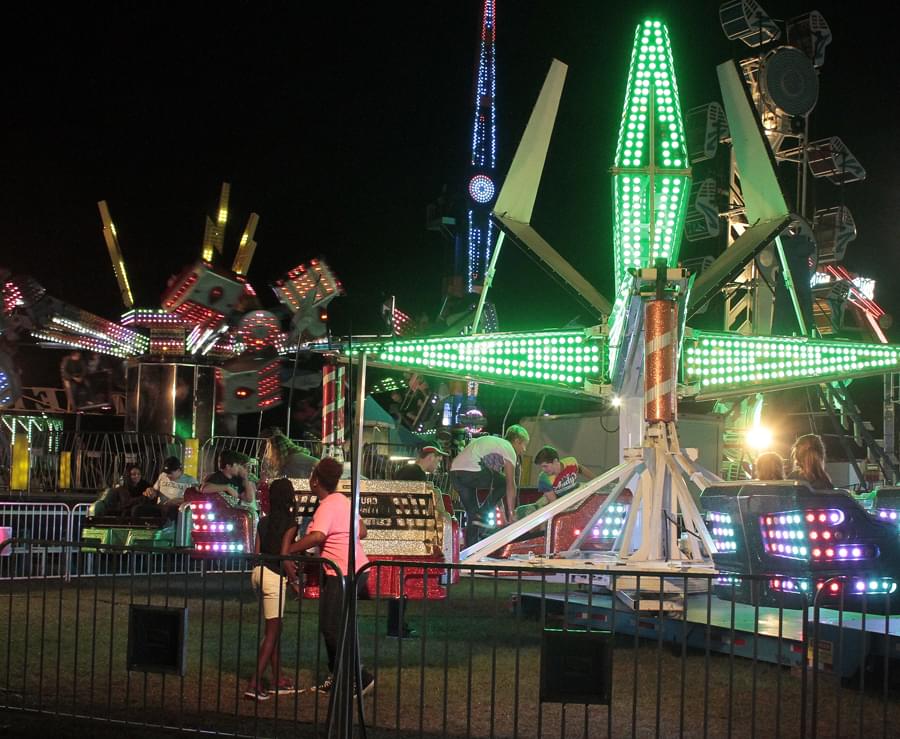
{"points": [[368, 682], [284, 687], [256, 694], [325, 687]]}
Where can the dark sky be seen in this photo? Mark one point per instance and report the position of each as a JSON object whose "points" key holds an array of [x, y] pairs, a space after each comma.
{"points": [[339, 123]]}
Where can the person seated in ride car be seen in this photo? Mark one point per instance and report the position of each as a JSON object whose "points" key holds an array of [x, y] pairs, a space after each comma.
{"points": [[427, 461], [558, 476], [284, 458], [769, 466], [808, 460], [130, 499], [232, 481], [168, 490]]}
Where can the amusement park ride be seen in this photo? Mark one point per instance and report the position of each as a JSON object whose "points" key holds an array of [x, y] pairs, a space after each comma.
{"points": [[780, 271], [210, 344], [643, 336]]}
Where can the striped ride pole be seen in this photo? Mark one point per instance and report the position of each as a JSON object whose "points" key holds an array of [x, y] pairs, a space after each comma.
{"points": [[333, 391], [660, 344]]}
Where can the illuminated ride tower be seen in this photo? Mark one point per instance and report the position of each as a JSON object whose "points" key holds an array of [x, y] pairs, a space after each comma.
{"points": [[481, 187], [481, 191]]}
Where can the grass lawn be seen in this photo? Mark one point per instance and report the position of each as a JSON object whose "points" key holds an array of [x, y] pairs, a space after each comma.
{"points": [[475, 665]]}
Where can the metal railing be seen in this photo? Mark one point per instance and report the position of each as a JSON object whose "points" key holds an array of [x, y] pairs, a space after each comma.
{"points": [[382, 461], [97, 459], [483, 661], [252, 446]]}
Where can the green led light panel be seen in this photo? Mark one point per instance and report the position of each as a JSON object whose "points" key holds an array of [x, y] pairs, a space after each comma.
{"points": [[721, 362], [651, 175], [555, 358]]}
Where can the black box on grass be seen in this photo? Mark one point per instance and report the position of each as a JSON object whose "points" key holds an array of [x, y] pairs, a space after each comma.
{"points": [[576, 666], [156, 638]]}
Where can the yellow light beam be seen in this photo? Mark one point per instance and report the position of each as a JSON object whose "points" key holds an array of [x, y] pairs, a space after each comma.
{"points": [[246, 248], [214, 234], [115, 254]]}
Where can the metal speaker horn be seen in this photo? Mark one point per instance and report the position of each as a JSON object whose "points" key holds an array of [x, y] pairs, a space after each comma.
{"points": [[789, 81]]}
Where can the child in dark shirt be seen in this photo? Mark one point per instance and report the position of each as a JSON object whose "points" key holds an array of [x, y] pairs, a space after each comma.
{"points": [[274, 534]]}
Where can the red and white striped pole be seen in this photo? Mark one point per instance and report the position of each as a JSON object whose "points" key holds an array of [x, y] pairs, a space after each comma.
{"points": [[660, 337], [333, 392]]}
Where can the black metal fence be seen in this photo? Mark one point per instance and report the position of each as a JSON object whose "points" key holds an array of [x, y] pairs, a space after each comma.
{"points": [[508, 651]]}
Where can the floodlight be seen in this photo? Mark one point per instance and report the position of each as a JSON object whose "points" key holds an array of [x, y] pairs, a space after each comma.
{"points": [[747, 21], [758, 438], [789, 81]]}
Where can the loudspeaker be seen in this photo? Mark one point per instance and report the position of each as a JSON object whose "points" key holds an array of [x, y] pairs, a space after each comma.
{"points": [[576, 666], [156, 639]]}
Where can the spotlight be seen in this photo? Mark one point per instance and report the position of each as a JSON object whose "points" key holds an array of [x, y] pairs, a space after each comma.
{"points": [[758, 438]]}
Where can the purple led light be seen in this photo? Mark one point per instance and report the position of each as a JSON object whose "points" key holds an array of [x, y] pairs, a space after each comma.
{"points": [[860, 586], [857, 552]]}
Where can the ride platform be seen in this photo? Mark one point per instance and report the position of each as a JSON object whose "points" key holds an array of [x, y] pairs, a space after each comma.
{"points": [[845, 639]]}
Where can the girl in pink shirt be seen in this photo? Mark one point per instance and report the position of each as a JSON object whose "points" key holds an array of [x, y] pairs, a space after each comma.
{"points": [[330, 531]]}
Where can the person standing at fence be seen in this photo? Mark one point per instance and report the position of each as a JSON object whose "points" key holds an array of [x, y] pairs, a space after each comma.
{"points": [[488, 462], [273, 536], [330, 531], [427, 461], [284, 458]]}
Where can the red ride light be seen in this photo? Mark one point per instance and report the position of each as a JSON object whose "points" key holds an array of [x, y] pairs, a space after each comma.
{"points": [[817, 552], [834, 587], [243, 392], [813, 535], [822, 517], [829, 553], [215, 294], [810, 517], [826, 535]]}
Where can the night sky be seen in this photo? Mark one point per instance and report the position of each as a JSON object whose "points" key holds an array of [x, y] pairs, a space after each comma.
{"points": [[338, 124]]}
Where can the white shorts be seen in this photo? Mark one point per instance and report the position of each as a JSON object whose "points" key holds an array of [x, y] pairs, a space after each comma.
{"points": [[272, 588]]}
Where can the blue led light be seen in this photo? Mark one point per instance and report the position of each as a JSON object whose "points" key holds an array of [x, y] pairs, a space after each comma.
{"points": [[481, 188]]}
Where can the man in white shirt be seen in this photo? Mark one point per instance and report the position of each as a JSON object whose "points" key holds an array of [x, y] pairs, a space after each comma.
{"points": [[488, 462], [172, 482]]}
